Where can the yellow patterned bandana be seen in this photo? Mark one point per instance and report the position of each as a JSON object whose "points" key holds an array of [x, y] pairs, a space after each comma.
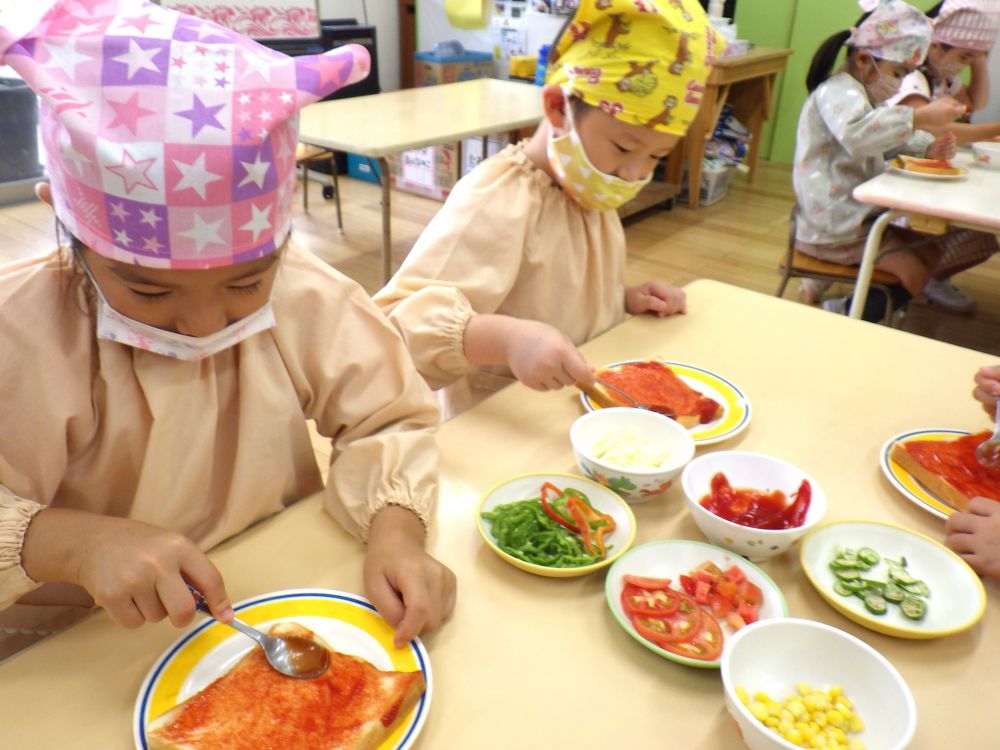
{"points": [[643, 61]]}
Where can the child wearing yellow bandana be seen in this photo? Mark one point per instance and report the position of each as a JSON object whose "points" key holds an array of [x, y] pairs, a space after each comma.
{"points": [[526, 260]]}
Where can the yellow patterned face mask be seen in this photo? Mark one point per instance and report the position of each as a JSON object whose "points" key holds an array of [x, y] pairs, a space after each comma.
{"points": [[581, 180], [645, 62]]}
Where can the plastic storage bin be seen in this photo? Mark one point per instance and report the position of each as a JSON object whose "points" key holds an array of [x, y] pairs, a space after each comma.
{"points": [[451, 64], [714, 184], [19, 125], [361, 168]]}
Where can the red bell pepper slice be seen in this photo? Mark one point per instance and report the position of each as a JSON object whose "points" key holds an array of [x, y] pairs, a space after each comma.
{"points": [[554, 509], [597, 524]]}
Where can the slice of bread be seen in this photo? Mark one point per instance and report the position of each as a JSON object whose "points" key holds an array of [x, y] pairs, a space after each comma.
{"points": [[353, 706], [936, 484], [927, 166], [655, 385], [949, 468]]}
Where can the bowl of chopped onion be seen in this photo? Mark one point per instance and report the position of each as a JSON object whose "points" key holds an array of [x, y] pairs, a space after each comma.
{"points": [[635, 452]]}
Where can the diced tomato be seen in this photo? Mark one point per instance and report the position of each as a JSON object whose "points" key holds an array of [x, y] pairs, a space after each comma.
{"points": [[702, 591], [704, 576], [653, 602], [705, 646], [747, 611], [734, 621], [735, 574], [711, 568], [750, 592], [721, 605], [727, 589], [647, 583], [687, 583]]}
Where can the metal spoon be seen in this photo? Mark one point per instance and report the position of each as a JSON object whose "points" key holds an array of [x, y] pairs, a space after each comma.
{"points": [[988, 451], [292, 656], [622, 393]]}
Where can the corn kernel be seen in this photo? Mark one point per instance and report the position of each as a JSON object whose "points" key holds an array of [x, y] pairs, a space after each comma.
{"points": [[759, 711], [834, 718], [809, 718], [784, 727], [809, 702], [771, 721], [741, 693], [797, 709], [843, 700], [835, 690], [857, 725], [794, 736], [804, 688]]}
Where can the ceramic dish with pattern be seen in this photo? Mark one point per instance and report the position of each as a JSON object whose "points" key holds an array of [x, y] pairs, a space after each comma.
{"points": [[903, 481], [956, 599], [347, 622], [736, 409]]}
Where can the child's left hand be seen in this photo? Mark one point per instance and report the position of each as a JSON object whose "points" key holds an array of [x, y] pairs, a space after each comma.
{"points": [[414, 592], [655, 297], [943, 147], [975, 535]]}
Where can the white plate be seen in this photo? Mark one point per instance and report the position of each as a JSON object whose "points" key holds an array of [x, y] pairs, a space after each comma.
{"points": [[347, 622], [676, 557], [928, 176], [957, 599], [903, 481], [736, 409]]}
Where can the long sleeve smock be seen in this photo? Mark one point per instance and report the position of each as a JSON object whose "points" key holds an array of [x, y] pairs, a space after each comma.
{"points": [[507, 241], [842, 142], [204, 448]]}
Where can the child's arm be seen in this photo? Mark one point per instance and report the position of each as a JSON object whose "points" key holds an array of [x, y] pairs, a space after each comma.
{"points": [[540, 356], [975, 535], [135, 571], [976, 94], [970, 132], [656, 298]]}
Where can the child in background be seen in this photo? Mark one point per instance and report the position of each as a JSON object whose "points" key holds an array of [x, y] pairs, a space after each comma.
{"points": [[844, 139], [964, 33], [975, 534], [526, 259], [159, 380]]}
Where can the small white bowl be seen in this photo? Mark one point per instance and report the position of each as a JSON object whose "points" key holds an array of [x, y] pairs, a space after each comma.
{"points": [[771, 656], [759, 472], [634, 484], [987, 154]]}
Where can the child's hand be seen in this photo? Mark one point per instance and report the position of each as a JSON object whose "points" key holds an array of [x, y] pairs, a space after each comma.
{"points": [[937, 115], [943, 147], [655, 297], [413, 591], [987, 387], [543, 358], [975, 535], [135, 571]]}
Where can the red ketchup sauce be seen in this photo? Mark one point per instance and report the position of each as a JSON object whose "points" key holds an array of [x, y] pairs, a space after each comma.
{"points": [[757, 509]]}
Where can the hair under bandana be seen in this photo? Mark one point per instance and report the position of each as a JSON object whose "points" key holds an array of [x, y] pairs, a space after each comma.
{"points": [[170, 140], [968, 24], [643, 61], [895, 32]]}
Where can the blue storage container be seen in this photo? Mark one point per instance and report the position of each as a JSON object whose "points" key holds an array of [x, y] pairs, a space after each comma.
{"points": [[449, 62], [360, 168]]}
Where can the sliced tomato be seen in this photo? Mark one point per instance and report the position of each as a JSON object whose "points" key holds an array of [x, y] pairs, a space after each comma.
{"points": [[647, 583], [683, 625], [687, 583], [653, 602], [706, 645]]}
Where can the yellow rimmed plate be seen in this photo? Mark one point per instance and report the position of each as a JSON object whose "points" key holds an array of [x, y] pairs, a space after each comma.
{"points": [[929, 176], [957, 599], [736, 410], [903, 481], [347, 622], [527, 486]]}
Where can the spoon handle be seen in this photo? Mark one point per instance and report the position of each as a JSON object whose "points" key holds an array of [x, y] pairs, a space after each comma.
{"points": [[202, 606], [996, 417]]}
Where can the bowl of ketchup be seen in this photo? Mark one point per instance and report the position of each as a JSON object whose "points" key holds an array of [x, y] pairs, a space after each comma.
{"points": [[755, 505]]}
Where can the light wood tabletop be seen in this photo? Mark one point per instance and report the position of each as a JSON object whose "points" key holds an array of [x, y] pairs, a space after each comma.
{"points": [[385, 124], [381, 125], [541, 663], [932, 205]]}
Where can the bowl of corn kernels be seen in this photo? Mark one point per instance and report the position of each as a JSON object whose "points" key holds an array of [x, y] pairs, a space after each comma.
{"points": [[793, 683]]}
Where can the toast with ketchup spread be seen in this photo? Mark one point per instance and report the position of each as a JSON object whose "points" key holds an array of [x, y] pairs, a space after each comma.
{"points": [[352, 706], [926, 166], [655, 385], [949, 468]]}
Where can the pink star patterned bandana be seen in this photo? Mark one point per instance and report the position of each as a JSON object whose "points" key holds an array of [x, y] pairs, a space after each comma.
{"points": [[170, 140], [895, 32], [968, 24]]}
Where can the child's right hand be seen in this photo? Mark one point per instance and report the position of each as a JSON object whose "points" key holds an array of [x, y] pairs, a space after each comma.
{"points": [[975, 536], [987, 387], [943, 147], [937, 115], [543, 358], [135, 571]]}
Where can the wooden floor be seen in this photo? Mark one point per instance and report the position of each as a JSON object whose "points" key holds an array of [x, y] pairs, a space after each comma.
{"points": [[738, 240]]}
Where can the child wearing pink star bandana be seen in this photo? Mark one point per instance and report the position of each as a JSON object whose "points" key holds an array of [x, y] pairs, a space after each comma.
{"points": [[166, 373]]}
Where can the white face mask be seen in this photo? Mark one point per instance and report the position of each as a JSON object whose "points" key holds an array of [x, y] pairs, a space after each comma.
{"points": [[884, 88], [113, 326]]}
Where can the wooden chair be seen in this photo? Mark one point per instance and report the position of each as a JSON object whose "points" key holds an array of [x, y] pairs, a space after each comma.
{"points": [[305, 156], [796, 264]]}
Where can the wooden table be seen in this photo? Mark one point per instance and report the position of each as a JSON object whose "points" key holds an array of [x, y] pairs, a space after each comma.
{"points": [[381, 125], [933, 206], [747, 83], [541, 663]]}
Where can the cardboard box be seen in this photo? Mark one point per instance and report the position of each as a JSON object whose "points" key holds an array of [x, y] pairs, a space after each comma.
{"points": [[431, 172], [472, 150], [430, 69]]}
